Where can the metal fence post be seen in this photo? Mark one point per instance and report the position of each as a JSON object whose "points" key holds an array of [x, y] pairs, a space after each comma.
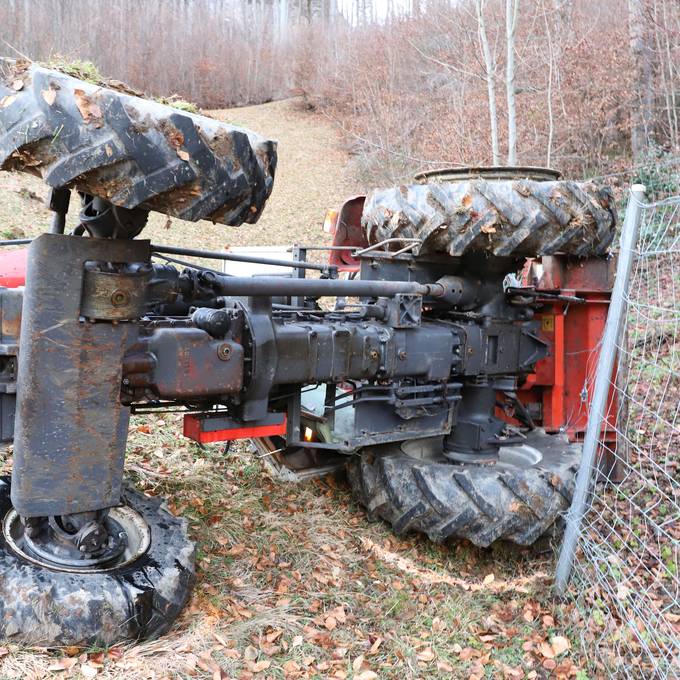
{"points": [[629, 234]]}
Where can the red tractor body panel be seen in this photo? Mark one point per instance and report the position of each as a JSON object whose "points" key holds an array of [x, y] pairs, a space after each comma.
{"points": [[13, 267]]}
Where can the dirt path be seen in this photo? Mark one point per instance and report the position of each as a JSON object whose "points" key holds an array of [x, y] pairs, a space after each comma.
{"points": [[311, 176]]}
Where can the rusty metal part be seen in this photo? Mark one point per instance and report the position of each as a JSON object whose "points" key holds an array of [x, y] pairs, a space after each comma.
{"points": [[71, 427], [348, 235], [129, 538], [186, 363], [114, 292]]}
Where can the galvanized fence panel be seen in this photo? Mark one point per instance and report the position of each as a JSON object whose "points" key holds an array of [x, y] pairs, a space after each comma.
{"points": [[622, 544]]}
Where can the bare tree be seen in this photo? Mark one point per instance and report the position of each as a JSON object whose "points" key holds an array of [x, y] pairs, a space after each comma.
{"points": [[643, 73], [549, 89], [490, 74], [511, 9]]}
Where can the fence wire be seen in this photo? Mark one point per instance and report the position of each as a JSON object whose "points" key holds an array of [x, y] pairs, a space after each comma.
{"points": [[625, 579]]}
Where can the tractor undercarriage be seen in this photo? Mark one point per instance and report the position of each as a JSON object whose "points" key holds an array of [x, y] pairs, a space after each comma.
{"points": [[422, 377]]}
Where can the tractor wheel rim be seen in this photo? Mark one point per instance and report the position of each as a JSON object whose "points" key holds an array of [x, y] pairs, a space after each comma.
{"points": [[124, 519]]}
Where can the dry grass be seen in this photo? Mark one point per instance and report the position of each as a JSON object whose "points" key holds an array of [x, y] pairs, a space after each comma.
{"points": [[293, 581]]}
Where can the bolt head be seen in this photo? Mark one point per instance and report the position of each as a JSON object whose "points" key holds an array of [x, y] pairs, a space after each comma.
{"points": [[224, 351], [120, 298]]}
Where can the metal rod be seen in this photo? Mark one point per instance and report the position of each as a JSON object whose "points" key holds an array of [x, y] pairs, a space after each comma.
{"points": [[411, 242], [190, 265], [16, 242], [324, 248], [231, 257], [272, 285], [58, 223], [605, 366]]}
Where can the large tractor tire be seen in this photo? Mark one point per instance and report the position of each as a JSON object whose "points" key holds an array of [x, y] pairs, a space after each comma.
{"points": [[518, 499], [483, 211], [130, 151]]}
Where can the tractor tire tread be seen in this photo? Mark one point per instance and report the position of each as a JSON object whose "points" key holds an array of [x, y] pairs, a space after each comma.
{"points": [[511, 218], [481, 503], [130, 151]]}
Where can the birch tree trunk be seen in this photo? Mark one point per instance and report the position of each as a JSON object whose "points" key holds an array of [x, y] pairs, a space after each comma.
{"points": [[489, 72], [511, 8], [643, 74]]}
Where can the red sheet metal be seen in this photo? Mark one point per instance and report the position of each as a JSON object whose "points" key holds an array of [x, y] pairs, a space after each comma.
{"points": [[13, 267], [194, 428]]}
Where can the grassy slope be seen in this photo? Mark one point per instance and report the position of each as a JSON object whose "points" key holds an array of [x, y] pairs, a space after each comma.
{"points": [[293, 581]]}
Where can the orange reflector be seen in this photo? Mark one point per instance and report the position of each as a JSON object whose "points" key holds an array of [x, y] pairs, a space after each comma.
{"points": [[330, 221]]}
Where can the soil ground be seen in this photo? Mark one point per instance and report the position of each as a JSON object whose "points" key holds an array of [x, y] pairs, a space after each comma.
{"points": [[293, 581]]}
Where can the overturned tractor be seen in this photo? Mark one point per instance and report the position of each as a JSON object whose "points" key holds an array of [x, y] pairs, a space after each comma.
{"points": [[437, 377]]}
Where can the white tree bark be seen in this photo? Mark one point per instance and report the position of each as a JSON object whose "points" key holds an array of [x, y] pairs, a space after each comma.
{"points": [[511, 8], [549, 93], [490, 73]]}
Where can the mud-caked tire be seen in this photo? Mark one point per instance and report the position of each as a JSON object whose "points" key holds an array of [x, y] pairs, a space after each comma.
{"points": [[515, 218], [45, 607], [481, 503], [130, 151]]}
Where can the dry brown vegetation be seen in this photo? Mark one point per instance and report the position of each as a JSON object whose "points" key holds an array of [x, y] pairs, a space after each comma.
{"points": [[592, 84]]}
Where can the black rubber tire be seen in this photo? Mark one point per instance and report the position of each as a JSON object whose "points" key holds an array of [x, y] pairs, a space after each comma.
{"points": [[130, 151], [481, 503], [139, 601], [521, 218]]}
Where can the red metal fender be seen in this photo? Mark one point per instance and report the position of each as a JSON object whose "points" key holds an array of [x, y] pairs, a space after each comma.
{"points": [[13, 267], [346, 230]]}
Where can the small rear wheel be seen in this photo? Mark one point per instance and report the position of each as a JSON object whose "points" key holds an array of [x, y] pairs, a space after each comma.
{"points": [[136, 596], [413, 487]]}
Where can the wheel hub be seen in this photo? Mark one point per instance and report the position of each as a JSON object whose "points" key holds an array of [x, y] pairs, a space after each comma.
{"points": [[117, 539]]}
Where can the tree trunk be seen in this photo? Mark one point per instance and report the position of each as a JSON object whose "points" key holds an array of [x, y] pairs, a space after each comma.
{"points": [[643, 78], [511, 7], [489, 72]]}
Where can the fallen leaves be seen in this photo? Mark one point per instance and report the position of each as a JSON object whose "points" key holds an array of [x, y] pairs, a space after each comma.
{"points": [[426, 655], [63, 664], [49, 95], [88, 108], [520, 584], [559, 645], [366, 675]]}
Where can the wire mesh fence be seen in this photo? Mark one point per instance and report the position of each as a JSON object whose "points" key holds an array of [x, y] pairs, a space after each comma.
{"points": [[625, 579]]}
